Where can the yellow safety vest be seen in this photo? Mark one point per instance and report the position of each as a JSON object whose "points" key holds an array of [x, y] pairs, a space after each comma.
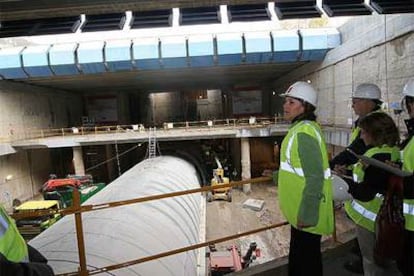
{"points": [[12, 244], [365, 213], [291, 180], [354, 134], [408, 165]]}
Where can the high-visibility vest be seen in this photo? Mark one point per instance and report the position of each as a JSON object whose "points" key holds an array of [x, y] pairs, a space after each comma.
{"points": [[12, 244], [365, 213], [354, 134], [408, 165], [291, 180]]}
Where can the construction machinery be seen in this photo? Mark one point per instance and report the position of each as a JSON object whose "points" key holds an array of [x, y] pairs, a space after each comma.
{"points": [[219, 178], [31, 227], [230, 260], [62, 188]]}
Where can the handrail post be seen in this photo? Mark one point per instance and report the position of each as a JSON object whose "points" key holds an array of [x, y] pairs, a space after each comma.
{"points": [[79, 234], [334, 236]]}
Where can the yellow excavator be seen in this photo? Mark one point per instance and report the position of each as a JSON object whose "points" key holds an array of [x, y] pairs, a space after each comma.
{"points": [[218, 178]]}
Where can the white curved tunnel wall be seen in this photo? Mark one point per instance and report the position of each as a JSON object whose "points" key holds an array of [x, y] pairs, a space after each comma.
{"points": [[130, 232]]}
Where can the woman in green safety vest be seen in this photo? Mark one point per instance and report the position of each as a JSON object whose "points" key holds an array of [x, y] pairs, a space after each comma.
{"points": [[369, 185], [16, 257], [304, 182], [406, 265]]}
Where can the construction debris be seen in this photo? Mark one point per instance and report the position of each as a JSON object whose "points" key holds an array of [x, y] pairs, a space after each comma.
{"points": [[254, 204]]}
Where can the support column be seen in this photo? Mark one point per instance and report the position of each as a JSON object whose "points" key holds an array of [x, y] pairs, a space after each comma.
{"points": [[78, 161], [245, 163], [109, 165]]}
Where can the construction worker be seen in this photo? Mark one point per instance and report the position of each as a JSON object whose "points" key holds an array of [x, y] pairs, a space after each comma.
{"points": [[16, 257], [305, 191], [365, 99], [406, 265], [370, 184]]}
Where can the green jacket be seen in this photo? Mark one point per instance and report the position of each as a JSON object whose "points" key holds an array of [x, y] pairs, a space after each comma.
{"points": [[304, 179]]}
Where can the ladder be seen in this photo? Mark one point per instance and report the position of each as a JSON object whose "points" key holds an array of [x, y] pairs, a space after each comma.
{"points": [[152, 143]]}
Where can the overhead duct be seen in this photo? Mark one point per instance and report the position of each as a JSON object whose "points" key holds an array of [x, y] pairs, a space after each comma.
{"points": [[130, 232]]}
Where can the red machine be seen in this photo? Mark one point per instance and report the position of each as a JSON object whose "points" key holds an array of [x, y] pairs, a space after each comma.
{"points": [[71, 180], [223, 262], [59, 182]]}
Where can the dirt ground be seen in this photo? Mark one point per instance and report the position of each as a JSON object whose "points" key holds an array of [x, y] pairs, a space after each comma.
{"points": [[229, 218]]}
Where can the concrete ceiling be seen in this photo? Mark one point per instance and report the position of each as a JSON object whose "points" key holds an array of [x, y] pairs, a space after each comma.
{"points": [[31, 9]]}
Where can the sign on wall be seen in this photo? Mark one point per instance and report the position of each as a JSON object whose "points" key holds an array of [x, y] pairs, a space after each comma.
{"points": [[247, 101], [103, 109]]}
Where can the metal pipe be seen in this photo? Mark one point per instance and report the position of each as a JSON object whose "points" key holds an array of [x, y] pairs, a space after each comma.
{"points": [[128, 232]]}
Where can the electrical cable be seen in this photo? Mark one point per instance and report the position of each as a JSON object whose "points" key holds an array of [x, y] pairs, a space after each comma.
{"points": [[110, 159]]}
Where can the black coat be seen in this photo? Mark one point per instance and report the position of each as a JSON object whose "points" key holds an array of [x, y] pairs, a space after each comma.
{"points": [[36, 267]]}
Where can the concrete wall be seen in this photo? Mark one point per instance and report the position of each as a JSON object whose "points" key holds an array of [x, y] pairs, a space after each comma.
{"points": [[25, 171], [377, 49], [210, 108], [164, 107], [23, 109]]}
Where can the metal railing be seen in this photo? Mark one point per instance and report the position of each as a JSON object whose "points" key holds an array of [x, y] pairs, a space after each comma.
{"points": [[35, 133], [77, 210]]}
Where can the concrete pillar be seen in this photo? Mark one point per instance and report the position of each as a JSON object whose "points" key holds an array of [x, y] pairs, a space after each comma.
{"points": [[78, 161], [245, 163], [109, 165]]}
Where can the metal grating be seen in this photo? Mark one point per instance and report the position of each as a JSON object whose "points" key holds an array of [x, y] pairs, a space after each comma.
{"points": [[104, 22], [204, 15], [255, 12], [345, 8], [391, 6], [297, 9], [44, 26], [151, 19]]}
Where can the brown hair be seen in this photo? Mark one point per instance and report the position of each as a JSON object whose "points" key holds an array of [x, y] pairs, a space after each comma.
{"points": [[308, 113], [408, 100], [381, 127]]}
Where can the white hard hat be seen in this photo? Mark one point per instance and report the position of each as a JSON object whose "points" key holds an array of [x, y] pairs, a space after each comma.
{"points": [[302, 90], [340, 189], [367, 91], [408, 89]]}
